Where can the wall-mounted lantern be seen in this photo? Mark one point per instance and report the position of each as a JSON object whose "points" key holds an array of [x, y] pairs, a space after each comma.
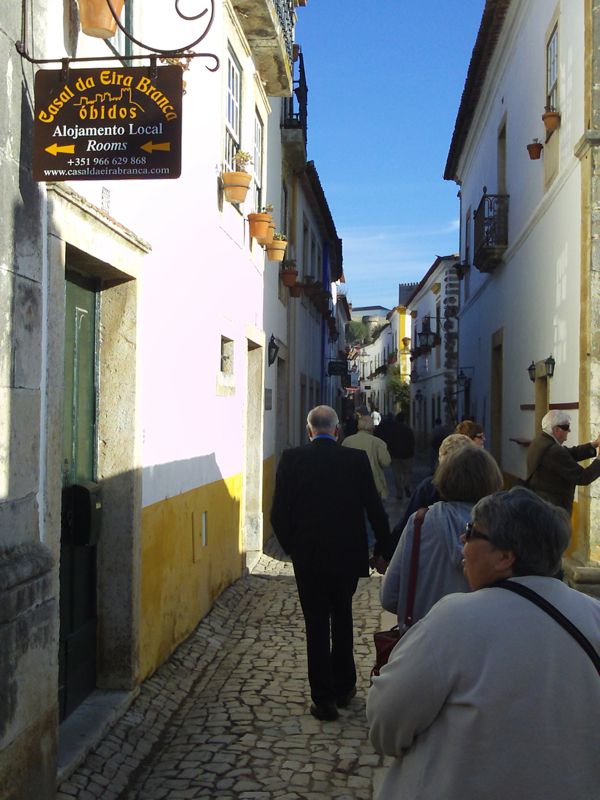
{"points": [[272, 350]]}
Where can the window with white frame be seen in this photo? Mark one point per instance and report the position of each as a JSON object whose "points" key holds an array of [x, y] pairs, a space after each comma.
{"points": [[259, 131], [552, 70], [233, 121]]}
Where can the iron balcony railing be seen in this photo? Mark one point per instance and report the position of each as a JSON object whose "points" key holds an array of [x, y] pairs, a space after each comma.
{"points": [[295, 108], [490, 231], [285, 12]]}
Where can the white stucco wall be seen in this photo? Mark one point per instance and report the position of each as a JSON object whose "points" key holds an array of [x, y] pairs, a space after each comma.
{"points": [[534, 295]]}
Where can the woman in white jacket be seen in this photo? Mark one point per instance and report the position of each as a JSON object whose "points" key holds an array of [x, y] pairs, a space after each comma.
{"points": [[462, 478], [488, 697]]}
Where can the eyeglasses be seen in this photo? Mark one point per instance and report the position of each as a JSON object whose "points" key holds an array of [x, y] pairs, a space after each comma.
{"points": [[479, 436], [564, 427], [471, 532]]}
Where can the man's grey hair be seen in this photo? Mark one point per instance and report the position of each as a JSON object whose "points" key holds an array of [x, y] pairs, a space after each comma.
{"points": [[322, 419], [554, 418], [535, 531], [366, 424]]}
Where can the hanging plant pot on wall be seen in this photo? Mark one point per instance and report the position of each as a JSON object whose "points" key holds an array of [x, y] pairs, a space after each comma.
{"points": [[266, 241], [259, 225], [96, 19], [535, 149], [296, 290], [288, 276], [551, 119], [276, 250], [235, 186]]}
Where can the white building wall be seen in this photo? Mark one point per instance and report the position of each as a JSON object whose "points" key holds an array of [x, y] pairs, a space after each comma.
{"points": [[533, 297]]}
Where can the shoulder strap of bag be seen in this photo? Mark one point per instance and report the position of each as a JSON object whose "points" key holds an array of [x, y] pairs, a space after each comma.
{"points": [[566, 623], [414, 566], [539, 464]]}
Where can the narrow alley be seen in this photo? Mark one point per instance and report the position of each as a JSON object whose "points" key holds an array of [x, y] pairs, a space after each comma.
{"points": [[227, 715]]}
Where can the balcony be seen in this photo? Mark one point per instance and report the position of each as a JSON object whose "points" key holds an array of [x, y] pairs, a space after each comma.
{"points": [[491, 231], [269, 29], [293, 124]]}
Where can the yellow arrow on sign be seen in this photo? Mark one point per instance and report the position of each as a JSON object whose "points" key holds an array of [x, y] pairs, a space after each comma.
{"points": [[150, 146], [55, 149]]}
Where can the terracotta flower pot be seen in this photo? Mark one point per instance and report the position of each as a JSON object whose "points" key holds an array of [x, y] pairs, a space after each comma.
{"points": [[535, 150], [296, 290], [276, 250], [269, 237], [259, 226], [288, 277], [96, 19], [235, 186], [551, 120]]}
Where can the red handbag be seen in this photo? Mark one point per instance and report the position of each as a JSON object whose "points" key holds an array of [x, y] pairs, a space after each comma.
{"points": [[385, 641]]}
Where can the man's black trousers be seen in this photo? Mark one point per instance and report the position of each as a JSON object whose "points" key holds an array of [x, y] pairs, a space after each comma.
{"points": [[326, 602]]}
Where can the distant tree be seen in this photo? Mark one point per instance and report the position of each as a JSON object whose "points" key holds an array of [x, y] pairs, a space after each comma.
{"points": [[357, 332], [399, 389]]}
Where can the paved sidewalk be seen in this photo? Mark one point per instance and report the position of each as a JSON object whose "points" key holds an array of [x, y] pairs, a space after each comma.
{"points": [[227, 715]]}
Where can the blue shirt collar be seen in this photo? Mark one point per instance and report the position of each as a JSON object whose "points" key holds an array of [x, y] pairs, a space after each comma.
{"points": [[324, 436]]}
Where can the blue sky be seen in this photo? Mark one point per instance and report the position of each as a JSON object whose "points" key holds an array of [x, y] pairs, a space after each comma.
{"points": [[385, 78]]}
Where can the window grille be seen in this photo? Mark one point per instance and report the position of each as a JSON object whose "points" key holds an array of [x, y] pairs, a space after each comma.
{"points": [[552, 70]]}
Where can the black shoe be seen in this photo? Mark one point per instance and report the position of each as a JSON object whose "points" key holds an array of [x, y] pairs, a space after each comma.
{"points": [[324, 711], [344, 700]]}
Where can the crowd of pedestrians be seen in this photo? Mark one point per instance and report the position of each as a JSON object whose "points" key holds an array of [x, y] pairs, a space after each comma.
{"points": [[481, 668]]}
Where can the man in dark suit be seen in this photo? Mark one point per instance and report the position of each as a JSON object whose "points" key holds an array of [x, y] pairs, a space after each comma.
{"points": [[552, 468], [322, 492]]}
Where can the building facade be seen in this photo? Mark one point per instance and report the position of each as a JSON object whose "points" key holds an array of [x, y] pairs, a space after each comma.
{"points": [[142, 411], [524, 154], [435, 368]]}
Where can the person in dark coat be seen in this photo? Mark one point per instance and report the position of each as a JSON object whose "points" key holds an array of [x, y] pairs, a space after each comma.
{"points": [[438, 434], [322, 492], [552, 469], [400, 441]]}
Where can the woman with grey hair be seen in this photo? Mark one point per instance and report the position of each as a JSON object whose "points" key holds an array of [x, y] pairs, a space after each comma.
{"points": [[462, 478], [489, 696]]}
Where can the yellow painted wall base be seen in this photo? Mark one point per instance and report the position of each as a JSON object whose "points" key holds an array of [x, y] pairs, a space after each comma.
{"points": [[180, 576]]}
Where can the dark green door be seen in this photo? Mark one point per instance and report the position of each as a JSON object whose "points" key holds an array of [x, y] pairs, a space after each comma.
{"points": [[77, 647]]}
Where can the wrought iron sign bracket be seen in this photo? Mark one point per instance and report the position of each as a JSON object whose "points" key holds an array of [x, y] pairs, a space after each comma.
{"points": [[184, 52]]}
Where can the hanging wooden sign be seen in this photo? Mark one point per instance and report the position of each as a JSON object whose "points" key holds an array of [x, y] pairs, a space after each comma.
{"points": [[107, 124]]}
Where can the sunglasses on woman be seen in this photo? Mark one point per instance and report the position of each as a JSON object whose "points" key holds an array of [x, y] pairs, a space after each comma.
{"points": [[564, 427], [471, 532]]}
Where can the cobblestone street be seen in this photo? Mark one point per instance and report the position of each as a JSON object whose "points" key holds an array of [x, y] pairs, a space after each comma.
{"points": [[227, 716]]}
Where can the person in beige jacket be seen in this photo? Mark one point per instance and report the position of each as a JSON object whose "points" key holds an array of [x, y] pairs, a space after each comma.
{"points": [[376, 450]]}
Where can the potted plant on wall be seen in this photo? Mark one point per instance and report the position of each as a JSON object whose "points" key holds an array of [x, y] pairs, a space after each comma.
{"points": [[288, 273], [296, 290], [260, 224], [96, 18], [276, 250], [551, 118], [310, 287], [535, 149], [237, 182]]}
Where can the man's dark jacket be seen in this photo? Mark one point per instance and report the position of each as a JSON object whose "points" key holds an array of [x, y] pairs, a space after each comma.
{"points": [[321, 493], [557, 472], [398, 436]]}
